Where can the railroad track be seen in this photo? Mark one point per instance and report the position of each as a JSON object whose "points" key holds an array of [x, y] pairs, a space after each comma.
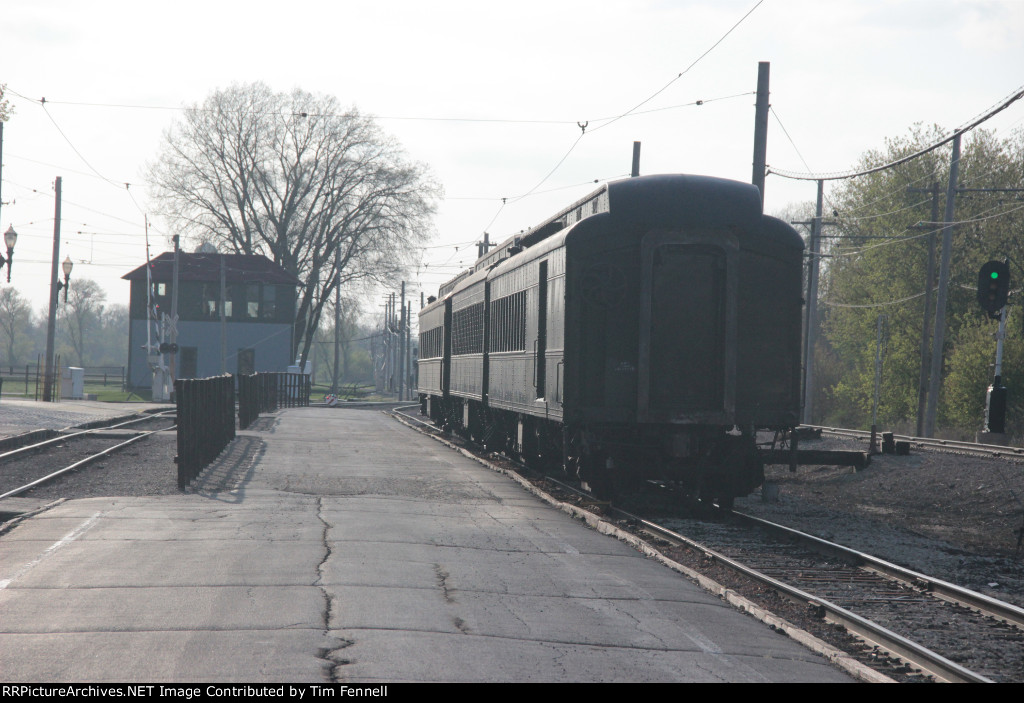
{"points": [[941, 630], [946, 631], [989, 450], [22, 469]]}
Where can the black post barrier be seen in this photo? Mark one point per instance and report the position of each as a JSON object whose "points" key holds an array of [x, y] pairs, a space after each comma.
{"points": [[206, 422], [248, 400], [267, 392]]}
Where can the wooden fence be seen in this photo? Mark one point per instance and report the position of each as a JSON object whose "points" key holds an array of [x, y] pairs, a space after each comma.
{"points": [[22, 379]]}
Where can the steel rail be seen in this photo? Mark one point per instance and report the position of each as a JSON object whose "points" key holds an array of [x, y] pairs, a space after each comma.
{"points": [[986, 605], [920, 657], [91, 430], [929, 442], [870, 632], [77, 464]]}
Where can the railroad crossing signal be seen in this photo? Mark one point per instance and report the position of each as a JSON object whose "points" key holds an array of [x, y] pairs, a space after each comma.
{"points": [[993, 286]]}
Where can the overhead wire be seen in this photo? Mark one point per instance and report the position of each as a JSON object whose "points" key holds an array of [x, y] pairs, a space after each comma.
{"points": [[843, 252], [992, 112], [74, 148], [684, 71], [608, 121]]}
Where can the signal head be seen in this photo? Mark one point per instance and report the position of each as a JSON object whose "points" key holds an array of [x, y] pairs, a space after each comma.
{"points": [[993, 285]]}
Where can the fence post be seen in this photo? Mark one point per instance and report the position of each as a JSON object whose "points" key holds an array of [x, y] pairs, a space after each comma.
{"points": [[206, 423]]}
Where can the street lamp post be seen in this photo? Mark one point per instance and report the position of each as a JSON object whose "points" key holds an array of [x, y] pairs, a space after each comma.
{"points": [[51, 370], [66, 267], [10, 238]]}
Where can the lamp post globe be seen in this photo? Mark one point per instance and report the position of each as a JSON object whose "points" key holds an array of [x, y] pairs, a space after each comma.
{"points": [[66, 266], [10, 238]]}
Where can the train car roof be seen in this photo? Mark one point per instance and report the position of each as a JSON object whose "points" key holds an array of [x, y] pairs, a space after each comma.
{"points": [[468, 281], [652, 200]]}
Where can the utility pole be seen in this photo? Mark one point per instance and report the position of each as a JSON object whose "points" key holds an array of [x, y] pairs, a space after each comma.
{"points": [[926, 385], [635, 171], [337, 326], [811, 313], [935, 380], [51, 324], [481, 248], [761, 127], [224, 318], [172, 363], [401, 349], [922, 393], [377, 387], [408, 349], [392, 352]]}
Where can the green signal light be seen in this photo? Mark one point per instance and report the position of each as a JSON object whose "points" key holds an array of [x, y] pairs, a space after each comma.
{"points": [[995, 275]]}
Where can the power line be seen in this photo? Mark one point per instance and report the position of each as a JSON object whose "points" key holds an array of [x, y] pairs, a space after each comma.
{"points": [[872, 305], [684, 71], [1014, 97], [403, 118]]}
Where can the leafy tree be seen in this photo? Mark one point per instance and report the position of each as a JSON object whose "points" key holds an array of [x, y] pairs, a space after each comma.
{"points": [[877, 266], [318, 189], [970, 373]]}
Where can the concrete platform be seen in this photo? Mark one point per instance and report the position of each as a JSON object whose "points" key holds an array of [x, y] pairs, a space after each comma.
{"points": [[350, 548]]}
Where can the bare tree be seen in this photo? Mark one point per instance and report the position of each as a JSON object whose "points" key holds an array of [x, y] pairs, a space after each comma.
{"points": [[5, 105], [320, 190], [15, 323], [112, 346], [80, 316]]}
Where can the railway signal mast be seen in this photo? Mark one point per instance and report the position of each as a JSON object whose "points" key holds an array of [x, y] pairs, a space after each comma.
{"points": [[993, 292]]}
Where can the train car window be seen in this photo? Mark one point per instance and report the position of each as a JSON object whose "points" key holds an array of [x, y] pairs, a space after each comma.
{"points": [[431, 343], [508, 323], [468, 330]]}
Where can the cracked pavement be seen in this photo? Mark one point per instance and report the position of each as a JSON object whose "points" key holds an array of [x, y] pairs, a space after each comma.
{"points": [[345, 547]]}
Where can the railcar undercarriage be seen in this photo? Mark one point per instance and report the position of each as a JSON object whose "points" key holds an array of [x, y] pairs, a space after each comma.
{"points": [[714, 464]]}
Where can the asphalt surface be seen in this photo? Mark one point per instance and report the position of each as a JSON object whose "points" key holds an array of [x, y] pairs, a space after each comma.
{"points": [[336, 545]]}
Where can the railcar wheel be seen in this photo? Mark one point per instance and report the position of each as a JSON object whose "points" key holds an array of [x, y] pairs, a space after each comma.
{"points": [[604, 479], [529, 443]]}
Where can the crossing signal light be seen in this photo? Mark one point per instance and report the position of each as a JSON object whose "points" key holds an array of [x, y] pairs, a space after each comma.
{"points": [[993, 286]]}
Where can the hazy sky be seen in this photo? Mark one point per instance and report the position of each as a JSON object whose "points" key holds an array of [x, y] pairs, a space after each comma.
{"points": [[489, 98]]}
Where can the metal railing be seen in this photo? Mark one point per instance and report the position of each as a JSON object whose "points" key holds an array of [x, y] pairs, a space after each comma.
{"points": [[206, 412], [266, 392], [206, 422]]}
